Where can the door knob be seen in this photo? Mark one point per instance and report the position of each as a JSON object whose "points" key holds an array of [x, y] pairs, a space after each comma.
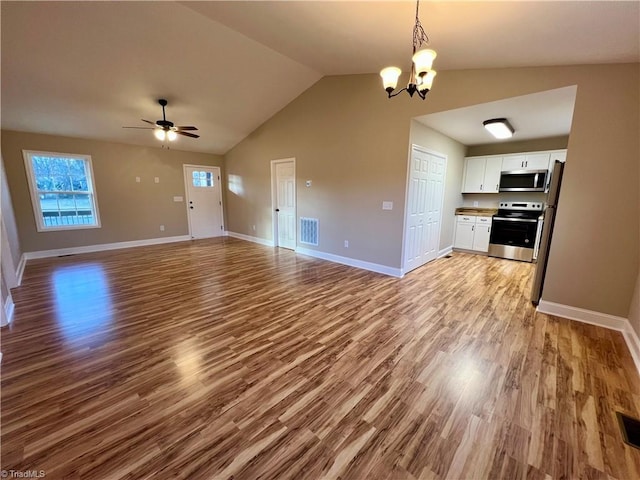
{"points": [[277, 209], [191, 207]]}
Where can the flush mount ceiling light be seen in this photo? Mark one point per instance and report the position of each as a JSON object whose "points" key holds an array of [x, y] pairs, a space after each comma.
{"points": [[422, 75], [499, 127]]}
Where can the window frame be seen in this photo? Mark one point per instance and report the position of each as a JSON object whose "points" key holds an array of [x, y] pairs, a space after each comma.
{"points": [[35, 195]]}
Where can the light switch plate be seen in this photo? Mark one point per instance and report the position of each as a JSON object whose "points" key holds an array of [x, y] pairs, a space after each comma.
{"points": [[386, 205], [137, 179], [156, 179], [177, 199]]}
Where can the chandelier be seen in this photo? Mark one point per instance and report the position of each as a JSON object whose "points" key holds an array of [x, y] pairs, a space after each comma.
{"points": [[422, 75]]}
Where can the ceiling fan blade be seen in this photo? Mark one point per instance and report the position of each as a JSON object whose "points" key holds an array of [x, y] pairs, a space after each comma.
{"points": [[187, 134], [186, 128], [152, 123], [142, 128]]}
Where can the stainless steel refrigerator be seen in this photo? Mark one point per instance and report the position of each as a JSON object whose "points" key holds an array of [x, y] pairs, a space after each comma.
{"points": [[547, 231]]}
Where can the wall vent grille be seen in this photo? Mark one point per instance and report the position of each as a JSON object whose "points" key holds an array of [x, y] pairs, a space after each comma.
{"points": [[309, 231]]}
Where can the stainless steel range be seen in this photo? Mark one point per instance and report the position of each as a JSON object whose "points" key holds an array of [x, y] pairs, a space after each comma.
{"points": [[515, 231]]}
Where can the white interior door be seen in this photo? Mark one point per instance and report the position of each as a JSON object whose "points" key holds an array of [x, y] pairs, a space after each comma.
{"points": [[285, 203], [424, 207], [204, 201]]}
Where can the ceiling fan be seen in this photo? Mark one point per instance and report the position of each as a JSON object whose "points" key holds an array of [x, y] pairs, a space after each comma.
{"points": [[166, 130]]}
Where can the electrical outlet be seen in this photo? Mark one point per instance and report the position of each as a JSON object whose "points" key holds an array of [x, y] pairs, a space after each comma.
{"points": [[346, 244], [156, 179], [162, 228], [137, 179], [475, 204]]}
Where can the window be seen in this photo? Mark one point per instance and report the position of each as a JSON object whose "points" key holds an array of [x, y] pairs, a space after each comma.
{"points": [[203, 179], [62, 190]]}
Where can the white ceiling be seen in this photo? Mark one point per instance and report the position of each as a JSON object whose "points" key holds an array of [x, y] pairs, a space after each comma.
{"points": [[85, 69], [539, 115]]}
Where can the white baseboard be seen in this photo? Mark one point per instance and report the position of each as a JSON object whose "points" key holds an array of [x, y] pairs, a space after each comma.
{"points": [[20, 269], [8, 311], [599, 319], [103, 247], [445, 251], [352, 262], [633, 343], [249, 238], [585, 316]]}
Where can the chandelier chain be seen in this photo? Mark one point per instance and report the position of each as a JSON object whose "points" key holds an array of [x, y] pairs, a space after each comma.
{"points": [[419, 35]]}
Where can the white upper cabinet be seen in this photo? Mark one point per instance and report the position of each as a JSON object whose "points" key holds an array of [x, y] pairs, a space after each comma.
{"points": [[537, 161], [481, 174], [492, 175], [512, 162], [529, 161], [560, 155]]}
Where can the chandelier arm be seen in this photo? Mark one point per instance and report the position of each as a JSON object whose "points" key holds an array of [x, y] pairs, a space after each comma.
{"points": [[394, 93]]}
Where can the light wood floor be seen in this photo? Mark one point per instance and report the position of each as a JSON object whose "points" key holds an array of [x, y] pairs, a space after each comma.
{"points": [[218, 359]]}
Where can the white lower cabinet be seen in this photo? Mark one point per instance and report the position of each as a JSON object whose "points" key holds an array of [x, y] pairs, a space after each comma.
{"points": [[465, 228], [472, 233], [481, 234]]}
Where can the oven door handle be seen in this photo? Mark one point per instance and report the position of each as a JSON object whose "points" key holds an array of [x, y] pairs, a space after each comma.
{"points": [[528, 220]]}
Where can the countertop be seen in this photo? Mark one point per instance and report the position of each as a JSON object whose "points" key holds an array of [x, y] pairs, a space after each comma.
{"points": [[479, 212]]}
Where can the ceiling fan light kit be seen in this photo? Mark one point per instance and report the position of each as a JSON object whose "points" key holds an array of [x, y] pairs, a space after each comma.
{"points": [[422, 73], [166, 130]]}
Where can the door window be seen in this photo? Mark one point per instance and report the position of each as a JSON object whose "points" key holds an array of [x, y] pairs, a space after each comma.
{"points": [[203, 179]]}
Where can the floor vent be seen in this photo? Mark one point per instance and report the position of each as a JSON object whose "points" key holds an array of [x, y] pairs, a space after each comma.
{"points": [[630, 429], [309, 231]]}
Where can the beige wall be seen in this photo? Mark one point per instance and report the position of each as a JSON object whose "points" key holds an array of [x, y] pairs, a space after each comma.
{"points": [[128, 210], [634, 309], [352, 142], [12, 243], [535, 145], [455, 151]]}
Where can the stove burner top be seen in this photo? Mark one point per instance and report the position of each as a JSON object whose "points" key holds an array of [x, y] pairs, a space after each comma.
{"points": [[525, 210]]}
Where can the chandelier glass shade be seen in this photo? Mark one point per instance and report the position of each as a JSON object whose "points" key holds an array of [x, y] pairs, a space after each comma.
{"points": [[422, 73]]}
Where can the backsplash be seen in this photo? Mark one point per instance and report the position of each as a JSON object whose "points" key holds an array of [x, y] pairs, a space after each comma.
{"points": [[489, 200]]}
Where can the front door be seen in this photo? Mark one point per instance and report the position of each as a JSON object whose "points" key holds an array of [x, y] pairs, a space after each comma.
{"points": [[285, 203], [204, 201], [424, 207]]}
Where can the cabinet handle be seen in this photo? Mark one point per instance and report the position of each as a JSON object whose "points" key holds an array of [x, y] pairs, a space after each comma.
{"points": [[473, 228], [497, 187], [480, 186]]}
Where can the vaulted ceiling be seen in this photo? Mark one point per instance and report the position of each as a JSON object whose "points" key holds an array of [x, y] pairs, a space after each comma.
{"points": [[85, 69]]}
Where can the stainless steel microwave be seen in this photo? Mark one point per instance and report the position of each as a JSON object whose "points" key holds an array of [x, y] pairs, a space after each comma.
{"points": [[524, 181]]}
